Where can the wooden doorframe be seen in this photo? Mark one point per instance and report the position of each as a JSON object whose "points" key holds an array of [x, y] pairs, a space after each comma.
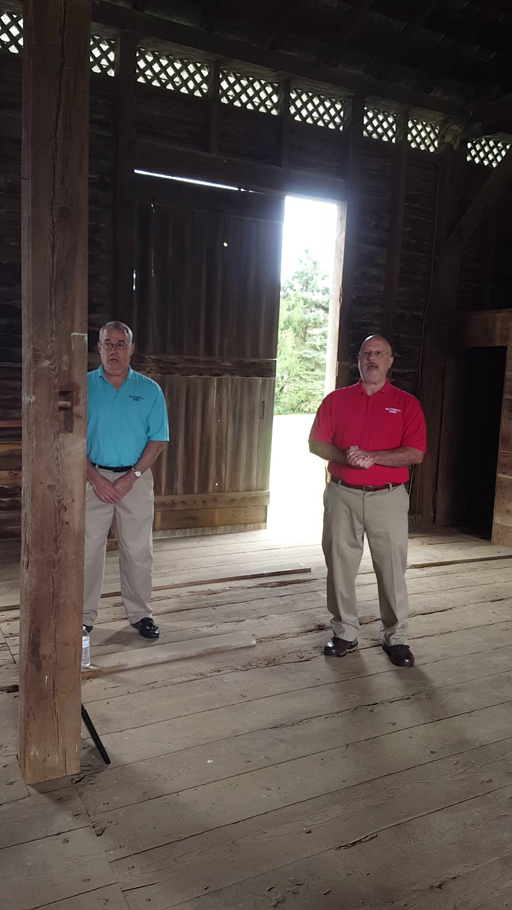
{"points": [[479, 330]]}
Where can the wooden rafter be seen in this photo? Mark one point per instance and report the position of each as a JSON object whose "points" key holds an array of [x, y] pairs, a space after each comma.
{"points": [[348, 29], [408, 33]]}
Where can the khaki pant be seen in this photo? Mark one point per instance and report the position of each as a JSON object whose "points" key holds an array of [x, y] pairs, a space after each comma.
{"points": [[383, 517], [134, 523]]}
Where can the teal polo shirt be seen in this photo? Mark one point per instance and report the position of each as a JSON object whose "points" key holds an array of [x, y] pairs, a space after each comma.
{"points": [[121, 422]]}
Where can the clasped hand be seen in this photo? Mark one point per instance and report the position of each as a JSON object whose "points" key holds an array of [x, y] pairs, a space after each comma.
{"points": [[358, 458], [113, 492]]}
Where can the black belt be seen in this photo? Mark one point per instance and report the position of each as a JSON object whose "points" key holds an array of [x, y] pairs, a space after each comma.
{"points": [[365, 489], [118, 470]]}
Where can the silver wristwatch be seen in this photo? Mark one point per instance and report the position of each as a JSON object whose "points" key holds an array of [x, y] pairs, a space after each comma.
{"points": [[136, 472]]}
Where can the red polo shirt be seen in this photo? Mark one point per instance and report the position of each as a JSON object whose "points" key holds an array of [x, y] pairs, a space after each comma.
{"points": [[386, 420]]}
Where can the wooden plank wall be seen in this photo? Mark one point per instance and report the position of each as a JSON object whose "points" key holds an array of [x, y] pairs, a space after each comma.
{"points": [[100, 261], [183, 121], [10, 297], [415, 257], [485, 281]]}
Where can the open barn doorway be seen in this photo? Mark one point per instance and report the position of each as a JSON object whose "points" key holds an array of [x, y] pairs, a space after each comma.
{"points": [[313, 237], [482, 380]]}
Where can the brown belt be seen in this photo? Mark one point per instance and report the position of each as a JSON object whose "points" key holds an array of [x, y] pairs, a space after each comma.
{"points": [[365, 489]]}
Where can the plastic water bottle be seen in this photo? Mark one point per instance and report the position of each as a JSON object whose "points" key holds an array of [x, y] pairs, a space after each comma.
{"points": [[86, 650]]}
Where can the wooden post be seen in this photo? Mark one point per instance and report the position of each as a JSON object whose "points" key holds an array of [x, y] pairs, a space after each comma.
{"points": [[214, 101], [124, 196], [396, 225], [284, 126], [443, 302], [354, 133], [54, 309]]}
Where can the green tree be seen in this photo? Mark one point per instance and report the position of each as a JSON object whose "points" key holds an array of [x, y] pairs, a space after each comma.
{"points": [[303, 321]]}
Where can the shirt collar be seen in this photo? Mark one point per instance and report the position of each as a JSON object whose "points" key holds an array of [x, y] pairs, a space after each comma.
{"points": [[385, 390], [130, 375]]}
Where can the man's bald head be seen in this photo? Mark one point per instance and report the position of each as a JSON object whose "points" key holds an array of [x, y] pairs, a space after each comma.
{"points": [[374, 361], [378, 340]]}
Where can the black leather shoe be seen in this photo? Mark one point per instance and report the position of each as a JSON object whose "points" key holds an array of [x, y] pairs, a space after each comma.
{"points": [[338, 647], [88, 629], [147, 628], [399, 655]]}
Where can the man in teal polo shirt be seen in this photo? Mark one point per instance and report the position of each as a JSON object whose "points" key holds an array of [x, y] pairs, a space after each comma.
{"points": [[127, 428]]}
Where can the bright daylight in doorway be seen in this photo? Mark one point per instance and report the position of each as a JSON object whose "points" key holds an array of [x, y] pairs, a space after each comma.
{"points": [[296, 477]]}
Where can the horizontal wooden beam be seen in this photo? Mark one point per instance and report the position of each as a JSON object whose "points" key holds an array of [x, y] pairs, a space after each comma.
{"points": [[182, 365], [479, 330], [237, 500], [215, 45], [209, 518], [162, 158], [484, 201], [158, 191], [10, 478]]}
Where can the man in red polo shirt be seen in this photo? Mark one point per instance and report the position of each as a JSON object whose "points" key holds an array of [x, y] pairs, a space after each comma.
{"points": [[369, 433]]}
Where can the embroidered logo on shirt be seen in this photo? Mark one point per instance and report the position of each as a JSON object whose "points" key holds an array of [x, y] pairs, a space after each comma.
{"points": [[394, 410], [136, 397]]}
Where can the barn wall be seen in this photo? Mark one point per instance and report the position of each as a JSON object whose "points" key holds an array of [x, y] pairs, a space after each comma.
{"points": [[100, 261], [170, 121], [485, 281]]}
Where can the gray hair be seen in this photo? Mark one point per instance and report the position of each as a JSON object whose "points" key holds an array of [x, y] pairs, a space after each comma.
{"points": [[115, 324]]}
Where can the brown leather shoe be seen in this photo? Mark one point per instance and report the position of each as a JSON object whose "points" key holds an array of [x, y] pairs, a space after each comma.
{"points": [[399, 655], [338, 647]]}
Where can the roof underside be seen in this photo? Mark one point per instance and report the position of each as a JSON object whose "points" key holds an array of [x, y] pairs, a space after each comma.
{"points": [[453, 49]]}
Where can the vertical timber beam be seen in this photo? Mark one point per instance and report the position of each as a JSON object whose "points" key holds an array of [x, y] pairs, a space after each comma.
{"points": [[443, 302], [284, 124], [353, 128], [396, 227], [124, 189], [55, 116], [214, 111]]}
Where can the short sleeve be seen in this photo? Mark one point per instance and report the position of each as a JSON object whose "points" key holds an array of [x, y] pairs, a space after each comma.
{"points": [[415, 433], [158, 424], [322, 430]]}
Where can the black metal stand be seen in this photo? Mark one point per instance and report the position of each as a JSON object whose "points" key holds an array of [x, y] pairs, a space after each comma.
{"points": [[95, 738]]}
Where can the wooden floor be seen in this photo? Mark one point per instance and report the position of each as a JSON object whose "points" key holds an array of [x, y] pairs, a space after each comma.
{"points": [[267, 776]]}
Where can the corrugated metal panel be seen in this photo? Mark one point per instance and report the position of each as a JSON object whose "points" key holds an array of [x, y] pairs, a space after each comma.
{"points": [[219, 435]]}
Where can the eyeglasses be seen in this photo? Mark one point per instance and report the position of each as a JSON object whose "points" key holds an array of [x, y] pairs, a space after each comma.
{"points": [[110, 345]]}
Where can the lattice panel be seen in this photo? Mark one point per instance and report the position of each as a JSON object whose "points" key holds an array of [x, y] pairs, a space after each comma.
{"points": [[102, 55], [319, 110], [188, 76], [249, 92], [487, 151], [11, 32], [423, 135], [379, 125]]}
